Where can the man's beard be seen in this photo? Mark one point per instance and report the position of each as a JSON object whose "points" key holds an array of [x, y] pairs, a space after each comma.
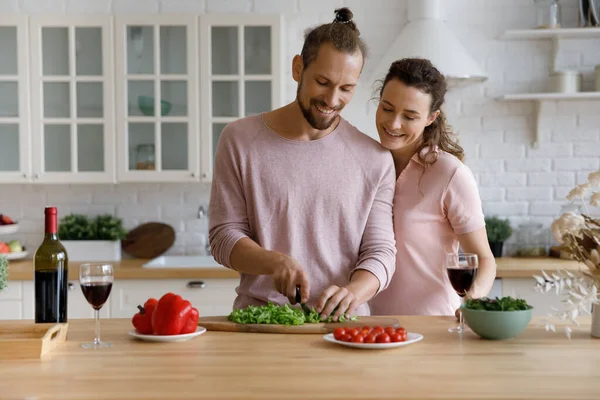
{"points": [[309, 116]]}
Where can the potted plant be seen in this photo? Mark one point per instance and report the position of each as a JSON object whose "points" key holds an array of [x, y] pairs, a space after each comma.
{"points": [[86, 239], [579, 234], [498, 230], [3, 272]]}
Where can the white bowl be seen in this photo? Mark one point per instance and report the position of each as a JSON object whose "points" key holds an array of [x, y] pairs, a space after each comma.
{"points": [[17, 255], [8, 229]]}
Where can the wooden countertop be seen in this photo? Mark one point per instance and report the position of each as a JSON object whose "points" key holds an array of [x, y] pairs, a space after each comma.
{"points": [[128, 269], [508, 267], [220, 365]]}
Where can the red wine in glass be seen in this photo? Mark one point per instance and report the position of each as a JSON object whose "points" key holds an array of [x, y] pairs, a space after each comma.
{"points": [[461, 279], [96, 283], [462, 271], [96, 293]]}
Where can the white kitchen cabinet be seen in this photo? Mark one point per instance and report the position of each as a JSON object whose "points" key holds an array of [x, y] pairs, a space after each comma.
{"points": [[209, 296], [11, 301], [240, 73], [15, 157], [523, 288], [72, 101], [157, 69]]}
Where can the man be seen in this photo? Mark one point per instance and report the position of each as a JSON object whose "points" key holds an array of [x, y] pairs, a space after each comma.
{"points": [[302, 198]]}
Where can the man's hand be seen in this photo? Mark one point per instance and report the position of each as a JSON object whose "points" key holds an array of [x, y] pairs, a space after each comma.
{"points": [[288, 274], [340, 297]]}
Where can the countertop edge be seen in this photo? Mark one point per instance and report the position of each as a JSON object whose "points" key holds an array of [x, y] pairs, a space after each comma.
{"points": [[507, 267]]}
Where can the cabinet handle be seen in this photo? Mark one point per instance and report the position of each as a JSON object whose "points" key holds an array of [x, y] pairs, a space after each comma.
{"points": [[192, 175], [204, 175], [71, 286], [35, 176], [25, 176], [196, 285]]}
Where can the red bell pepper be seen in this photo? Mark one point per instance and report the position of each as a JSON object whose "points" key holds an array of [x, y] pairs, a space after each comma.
{"points": [[174, 316], [142, 321]]}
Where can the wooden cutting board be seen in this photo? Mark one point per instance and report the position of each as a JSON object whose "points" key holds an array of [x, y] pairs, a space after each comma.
{"points": [[221, 323], [149, 240]]}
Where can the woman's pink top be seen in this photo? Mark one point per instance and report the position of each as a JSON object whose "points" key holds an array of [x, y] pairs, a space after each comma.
{"points": [[431, 207]]}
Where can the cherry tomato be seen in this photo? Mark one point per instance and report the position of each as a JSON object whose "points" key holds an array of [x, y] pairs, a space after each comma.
{"points": [[403, 334], [346, 337], [378, 329], [371, 338], [401, 330], [353, 331], [338, 333], [383, 338], [396, 337], [365, 330], [358, 338], [389, 330]]}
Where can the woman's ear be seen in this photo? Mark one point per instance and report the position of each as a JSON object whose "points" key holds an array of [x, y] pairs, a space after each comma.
{"points": [[432, 117], [297, 68]]}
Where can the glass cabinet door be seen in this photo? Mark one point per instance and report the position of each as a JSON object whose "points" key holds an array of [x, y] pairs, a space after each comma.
{"points": [[156, 100], [241, 78], [14, 135], [73, 102]]}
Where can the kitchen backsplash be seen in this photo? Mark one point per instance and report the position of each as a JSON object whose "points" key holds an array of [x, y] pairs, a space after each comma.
{"points": [[517, 181]]}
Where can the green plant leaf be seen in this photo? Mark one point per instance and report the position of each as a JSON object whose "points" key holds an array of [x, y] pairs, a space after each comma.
{"points": [[3, 272], [80, 227], [498, 230]]}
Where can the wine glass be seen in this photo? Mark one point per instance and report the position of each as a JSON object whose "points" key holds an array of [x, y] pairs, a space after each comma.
{"points": [[96, 283], [462, 270]]}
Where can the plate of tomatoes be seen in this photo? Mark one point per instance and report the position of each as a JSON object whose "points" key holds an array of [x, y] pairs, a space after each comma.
{"points": [[376, 337]]}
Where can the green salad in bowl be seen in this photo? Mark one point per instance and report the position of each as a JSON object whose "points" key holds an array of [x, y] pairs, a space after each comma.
{"points": [[497, 319]]}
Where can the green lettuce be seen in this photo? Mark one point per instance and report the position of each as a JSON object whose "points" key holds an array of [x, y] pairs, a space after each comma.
{"points": [[281, 315]]}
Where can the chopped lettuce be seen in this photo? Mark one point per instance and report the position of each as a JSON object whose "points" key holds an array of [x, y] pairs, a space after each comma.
{"points": [[506, 303], [281, 315]]}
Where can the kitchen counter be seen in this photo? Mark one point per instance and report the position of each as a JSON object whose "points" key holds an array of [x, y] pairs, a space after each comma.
{"points": [[508, 267], [220, 365], [128, 269]]}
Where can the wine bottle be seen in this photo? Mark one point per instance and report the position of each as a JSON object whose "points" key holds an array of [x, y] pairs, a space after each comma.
{"points": [[50, 265]]}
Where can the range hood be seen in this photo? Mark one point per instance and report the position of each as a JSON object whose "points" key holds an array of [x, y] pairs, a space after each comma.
{"points": [[426, 35]]}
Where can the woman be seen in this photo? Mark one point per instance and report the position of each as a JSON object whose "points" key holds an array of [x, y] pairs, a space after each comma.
{"points": [[436, 204]]}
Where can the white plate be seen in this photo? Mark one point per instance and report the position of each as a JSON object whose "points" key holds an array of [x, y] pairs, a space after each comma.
{"points": [[411, 337], [18, 255], [170, 338], [8, 229]]}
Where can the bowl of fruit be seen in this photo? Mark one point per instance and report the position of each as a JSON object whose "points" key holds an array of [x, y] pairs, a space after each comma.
{"points": [[12, 250], [7, 225], [497, 319]]}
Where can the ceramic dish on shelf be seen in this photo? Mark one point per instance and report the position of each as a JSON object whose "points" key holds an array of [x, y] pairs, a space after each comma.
{"points": [[8, 229], [16, 255], [411, 337], [167, 338]]}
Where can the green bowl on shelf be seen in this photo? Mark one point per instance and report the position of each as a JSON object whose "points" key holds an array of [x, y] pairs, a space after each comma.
{"points": [[497, 325], [146, 106]]}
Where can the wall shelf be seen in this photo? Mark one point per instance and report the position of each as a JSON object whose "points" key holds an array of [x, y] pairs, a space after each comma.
{"points": [[540, 98], [561, 33], [551, 96], [556, 36]]}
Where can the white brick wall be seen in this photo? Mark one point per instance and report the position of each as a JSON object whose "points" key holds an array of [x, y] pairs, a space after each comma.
{"points": [[516, 180]]}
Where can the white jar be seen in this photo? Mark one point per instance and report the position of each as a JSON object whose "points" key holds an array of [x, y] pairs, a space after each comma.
{"points": [[565, 82], [597, 78]]}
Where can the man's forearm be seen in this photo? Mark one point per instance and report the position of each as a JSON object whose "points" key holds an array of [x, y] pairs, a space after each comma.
{"points": [[249, 258], [364, 285]]}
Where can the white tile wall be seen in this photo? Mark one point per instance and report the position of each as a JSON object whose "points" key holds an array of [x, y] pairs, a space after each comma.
{"points": [[516, 181]]}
